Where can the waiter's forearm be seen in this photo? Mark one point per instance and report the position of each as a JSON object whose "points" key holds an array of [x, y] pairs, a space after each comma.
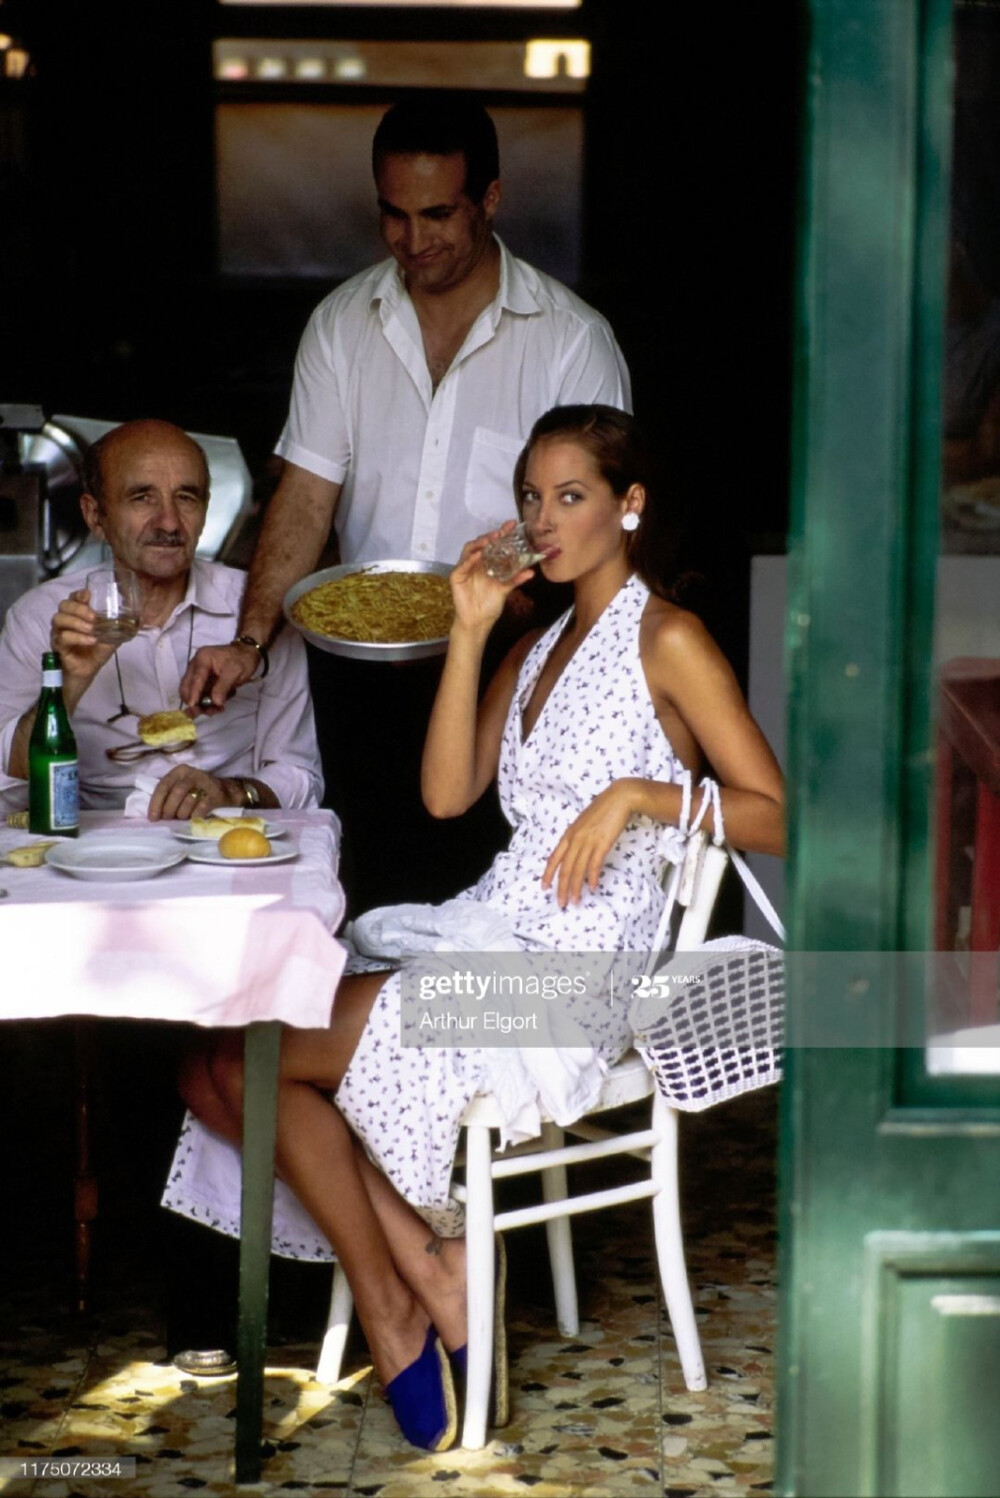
{"points": [[18, 763], [292, 538]]}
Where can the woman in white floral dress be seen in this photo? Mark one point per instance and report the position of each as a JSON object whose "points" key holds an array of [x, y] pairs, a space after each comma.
{"points": [[593, 729]]}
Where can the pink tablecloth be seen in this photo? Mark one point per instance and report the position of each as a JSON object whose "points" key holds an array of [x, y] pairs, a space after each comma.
{"points": [[202, 944]]}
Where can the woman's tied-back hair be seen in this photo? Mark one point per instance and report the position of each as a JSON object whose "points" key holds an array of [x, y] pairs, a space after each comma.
{"points": [[441, 124], [616, 443]]}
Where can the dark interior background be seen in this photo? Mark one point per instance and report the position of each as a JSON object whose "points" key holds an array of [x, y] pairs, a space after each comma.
{"points": [[111, 307]]}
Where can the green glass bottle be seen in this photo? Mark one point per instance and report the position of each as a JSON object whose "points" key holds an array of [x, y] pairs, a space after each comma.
{"points": [[53, 776]]}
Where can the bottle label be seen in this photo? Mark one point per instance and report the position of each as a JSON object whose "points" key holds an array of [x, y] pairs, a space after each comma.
{"points": [[52, 678], [64, 795]]}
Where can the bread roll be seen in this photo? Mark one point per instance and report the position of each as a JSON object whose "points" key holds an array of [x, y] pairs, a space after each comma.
{"points": [[244, 842]]}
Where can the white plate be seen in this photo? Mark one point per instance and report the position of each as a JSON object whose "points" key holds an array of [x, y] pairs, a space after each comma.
{"points": [[115, 856], [209, 853], [271, 830]]}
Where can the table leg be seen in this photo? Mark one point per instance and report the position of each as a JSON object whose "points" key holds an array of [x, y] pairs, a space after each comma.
{"points": [[84, 1179], [262, 1047]]}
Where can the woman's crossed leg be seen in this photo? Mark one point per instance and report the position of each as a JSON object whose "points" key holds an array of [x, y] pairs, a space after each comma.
{"points": [[403, 1277]]}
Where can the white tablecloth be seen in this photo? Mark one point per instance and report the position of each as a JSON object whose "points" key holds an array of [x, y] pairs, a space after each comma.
{"points": [[203, 944], [199, 943]]}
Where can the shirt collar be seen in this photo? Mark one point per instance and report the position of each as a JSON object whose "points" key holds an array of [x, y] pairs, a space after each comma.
{"points": [[513, 295], [389, 287], [202, 592]]}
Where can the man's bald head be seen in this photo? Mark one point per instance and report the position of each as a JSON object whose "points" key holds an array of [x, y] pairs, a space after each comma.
{"points": [[148, 435], [146, 498]]}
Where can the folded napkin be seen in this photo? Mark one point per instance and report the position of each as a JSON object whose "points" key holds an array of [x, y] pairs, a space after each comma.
{"points": [[458, 925], [563, 1080], [137, 801]]}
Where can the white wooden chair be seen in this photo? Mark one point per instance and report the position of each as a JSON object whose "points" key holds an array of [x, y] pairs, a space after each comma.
{"points": [[693, 888]]}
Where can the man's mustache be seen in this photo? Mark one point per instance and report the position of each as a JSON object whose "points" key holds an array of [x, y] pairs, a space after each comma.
{"points": [[163, 538]]}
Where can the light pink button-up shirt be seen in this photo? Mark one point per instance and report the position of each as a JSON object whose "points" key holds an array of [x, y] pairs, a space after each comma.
{"points": [[267, 729]]}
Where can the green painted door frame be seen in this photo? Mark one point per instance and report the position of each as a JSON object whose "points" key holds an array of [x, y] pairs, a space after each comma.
{"points": [[890, 1182]]}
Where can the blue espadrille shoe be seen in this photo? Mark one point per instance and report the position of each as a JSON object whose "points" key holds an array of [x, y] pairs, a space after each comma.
{"points": [[423, 1398]]}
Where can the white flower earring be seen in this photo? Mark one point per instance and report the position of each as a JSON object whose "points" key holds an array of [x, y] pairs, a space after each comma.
{"points": [[630, 521]]}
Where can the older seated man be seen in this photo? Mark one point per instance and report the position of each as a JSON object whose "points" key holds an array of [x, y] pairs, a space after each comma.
{"points": [[147, 491]]}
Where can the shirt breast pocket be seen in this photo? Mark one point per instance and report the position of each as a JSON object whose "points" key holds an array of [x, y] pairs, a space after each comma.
{"points": [[489, 491], [227, 739]]}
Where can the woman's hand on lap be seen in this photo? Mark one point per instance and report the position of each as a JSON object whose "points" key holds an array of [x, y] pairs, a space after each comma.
{"points": [[580, 853]]}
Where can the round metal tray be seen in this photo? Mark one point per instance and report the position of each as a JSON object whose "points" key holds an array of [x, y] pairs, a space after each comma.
{"points": [[362, 650]]}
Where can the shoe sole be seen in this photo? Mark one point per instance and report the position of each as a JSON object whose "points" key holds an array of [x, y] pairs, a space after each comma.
{"points": [[501, 1388], [450, 1433]]}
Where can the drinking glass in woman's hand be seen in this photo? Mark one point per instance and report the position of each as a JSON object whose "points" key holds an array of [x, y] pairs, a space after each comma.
{"points": [[508, 555], [114, 598]]}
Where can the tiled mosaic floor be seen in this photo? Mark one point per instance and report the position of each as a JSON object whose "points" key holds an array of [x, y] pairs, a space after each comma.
{"points": [[605, 1414]]}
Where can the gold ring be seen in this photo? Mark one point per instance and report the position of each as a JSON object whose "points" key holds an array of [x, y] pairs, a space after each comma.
{"points": [[196, 795]]}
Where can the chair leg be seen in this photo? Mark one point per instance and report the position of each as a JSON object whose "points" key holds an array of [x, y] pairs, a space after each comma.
{"points": [[555, 1188], [479, 1282], [338, 1323], [670, 1245]]}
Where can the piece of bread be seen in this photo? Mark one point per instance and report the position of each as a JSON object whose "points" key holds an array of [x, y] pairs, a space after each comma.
{"points": [[167, 728], [29, 855], [217, 826], [244, 842]]}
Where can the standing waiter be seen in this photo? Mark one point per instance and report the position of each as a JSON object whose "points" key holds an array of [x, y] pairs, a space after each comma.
{"points": [[416, 384]]}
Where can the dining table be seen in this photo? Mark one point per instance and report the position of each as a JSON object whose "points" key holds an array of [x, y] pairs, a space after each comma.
{"points": [[136, 920]]}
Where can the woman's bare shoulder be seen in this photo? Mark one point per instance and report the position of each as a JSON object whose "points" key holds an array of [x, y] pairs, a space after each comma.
{"points": [[680, 657], [675, 632]]}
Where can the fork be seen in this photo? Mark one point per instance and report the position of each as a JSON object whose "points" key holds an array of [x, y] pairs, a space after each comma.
{"points": [[126, 754]]}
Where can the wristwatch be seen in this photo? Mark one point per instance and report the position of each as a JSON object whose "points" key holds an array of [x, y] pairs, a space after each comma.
{"points": [[260, 648], [251, 795]]}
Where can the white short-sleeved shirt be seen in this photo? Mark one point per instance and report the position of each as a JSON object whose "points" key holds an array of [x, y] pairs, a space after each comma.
{"points": [[424, 470], [267, 731]]}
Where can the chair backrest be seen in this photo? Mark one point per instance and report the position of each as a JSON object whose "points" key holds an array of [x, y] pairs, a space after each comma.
{"points": [[691, 891], [712, 866]]}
